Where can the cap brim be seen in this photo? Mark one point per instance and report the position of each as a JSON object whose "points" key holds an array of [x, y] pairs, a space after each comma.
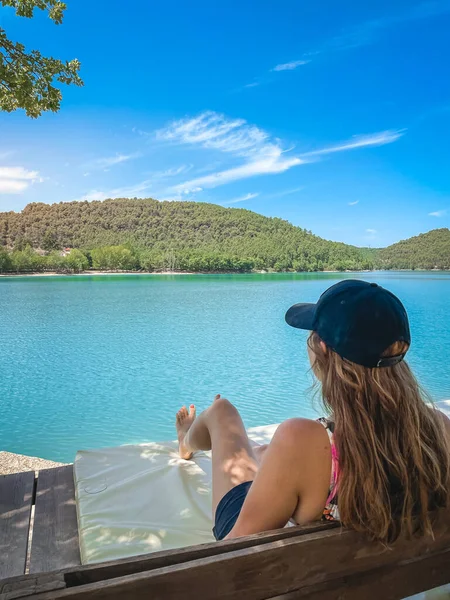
{"points": [[301, 316]]}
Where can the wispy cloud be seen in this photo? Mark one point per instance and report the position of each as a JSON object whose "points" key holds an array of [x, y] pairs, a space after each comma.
{"points": [[14, 180], [209, 167], [364, 34], [437, 213], [269, 165], [93, 195], [122, 192], [12, 186], [17, 173], [109, 161], [171, 172], [353, 203], [247, 86], [140, 131], [242, 198], [290, 66], [368, 32], [360, 141], [371, 235], [260, 153], [215, 131], [282, 193], [6, 154]]}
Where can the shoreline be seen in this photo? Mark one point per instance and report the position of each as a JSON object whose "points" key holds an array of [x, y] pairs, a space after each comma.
{"points": [[11, 462], [87, 273], [109, 273]]}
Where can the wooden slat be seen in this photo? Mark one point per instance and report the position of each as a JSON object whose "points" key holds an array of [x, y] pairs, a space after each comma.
{"points": [[31, 585], [16, 497], [18, 587], [55, 531], [389, 583], [166, 558], [269, 570], [108, 570]]}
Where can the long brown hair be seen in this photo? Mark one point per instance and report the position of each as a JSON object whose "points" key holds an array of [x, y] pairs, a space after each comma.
{"points": [[393, 451]]}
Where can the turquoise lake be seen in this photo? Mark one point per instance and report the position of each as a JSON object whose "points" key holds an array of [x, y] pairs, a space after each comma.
{"points": [[90, 361]]}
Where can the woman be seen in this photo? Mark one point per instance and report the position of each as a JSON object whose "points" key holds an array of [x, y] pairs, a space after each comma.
{"points": [[380, 460]]}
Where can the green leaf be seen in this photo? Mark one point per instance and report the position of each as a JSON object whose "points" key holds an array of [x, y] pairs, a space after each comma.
{"points": [[28, 79]]}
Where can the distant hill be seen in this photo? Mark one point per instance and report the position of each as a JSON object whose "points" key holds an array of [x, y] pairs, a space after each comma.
{"points": [[199, 237], [425, 251], [178, 229]]}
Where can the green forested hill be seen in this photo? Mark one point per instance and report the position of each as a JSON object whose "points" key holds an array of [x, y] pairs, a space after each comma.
{"points": [[192, 236], [179, 235], [425, 251]]}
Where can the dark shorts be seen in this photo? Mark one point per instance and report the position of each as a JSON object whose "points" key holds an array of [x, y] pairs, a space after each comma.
{"points": [[228, 510]]}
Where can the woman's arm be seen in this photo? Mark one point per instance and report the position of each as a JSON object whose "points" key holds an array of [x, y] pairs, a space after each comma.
{"points": [[293, 479]]}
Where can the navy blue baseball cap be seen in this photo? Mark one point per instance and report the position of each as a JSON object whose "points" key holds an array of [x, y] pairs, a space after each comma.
{"points": [[356, 319]]}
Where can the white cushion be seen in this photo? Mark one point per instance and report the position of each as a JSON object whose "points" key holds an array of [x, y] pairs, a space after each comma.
{"points": [[143, 498]]}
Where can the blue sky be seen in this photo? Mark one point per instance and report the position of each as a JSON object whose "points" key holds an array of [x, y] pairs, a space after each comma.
{"points": [[335, 116]]}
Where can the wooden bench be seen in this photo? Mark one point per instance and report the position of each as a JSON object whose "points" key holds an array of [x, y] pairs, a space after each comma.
{"points": [[38, 522], [39, 558]]}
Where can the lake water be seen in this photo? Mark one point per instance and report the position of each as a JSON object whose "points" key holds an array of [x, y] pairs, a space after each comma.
{"points": [[91, 361]]}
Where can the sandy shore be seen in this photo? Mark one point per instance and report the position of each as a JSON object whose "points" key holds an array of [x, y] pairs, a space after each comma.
{"points": [[109, 273], [17, 463]]}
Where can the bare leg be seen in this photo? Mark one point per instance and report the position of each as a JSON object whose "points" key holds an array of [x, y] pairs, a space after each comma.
{"points": [[259, 451], [219, 428]]}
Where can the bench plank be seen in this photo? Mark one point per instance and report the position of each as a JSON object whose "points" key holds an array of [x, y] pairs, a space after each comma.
{"points": [[16, 498], [282, 567], [393, 582], [79, 575], [55, 532], [166, 558]]}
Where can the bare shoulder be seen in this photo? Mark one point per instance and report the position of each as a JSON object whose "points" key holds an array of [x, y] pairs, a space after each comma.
{"points": [[297, 425], [300, 432], [443, 417], [445, 420], [304, 448]]}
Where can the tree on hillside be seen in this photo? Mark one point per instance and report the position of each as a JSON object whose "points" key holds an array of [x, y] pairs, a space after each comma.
{"points": [[27, 261], [128, 234], [113, 258], [76, 261], [5, 261], [28, 79], [50, 241], [21, 243], [55, 261]]}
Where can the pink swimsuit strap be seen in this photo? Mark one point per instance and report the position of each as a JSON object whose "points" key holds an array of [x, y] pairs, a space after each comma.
{"points": [[334, 460]]}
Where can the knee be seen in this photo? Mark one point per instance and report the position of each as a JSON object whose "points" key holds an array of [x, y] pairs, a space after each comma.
{"points": [[223, 406]]}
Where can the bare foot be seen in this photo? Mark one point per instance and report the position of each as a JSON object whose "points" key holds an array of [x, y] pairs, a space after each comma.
{"points": [[183, 423]]}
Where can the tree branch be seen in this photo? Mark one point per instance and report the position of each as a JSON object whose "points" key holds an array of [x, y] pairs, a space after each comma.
{"points": [[28, 78]]}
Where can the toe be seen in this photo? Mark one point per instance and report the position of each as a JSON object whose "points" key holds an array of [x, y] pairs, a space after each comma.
{"points": [[192, 410]]}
